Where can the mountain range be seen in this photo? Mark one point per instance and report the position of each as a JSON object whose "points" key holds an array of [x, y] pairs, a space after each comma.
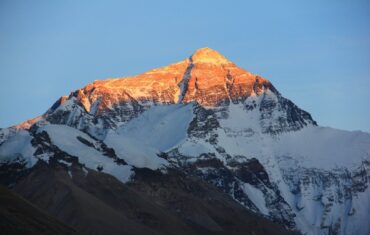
{"points": [[201, 146]]}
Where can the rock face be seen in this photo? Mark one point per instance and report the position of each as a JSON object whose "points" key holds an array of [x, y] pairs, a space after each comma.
{"points": [[207, 78], [213, 121]]}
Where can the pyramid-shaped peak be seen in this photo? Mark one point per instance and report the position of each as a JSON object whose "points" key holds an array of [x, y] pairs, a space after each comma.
{"points": [[208, 56]]}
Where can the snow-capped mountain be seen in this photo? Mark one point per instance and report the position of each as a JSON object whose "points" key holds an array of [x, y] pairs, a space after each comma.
{"points": [[213, 120]]}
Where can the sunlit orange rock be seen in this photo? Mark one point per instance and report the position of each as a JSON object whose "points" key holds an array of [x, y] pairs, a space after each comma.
{"points": [[207, 78], [28, 123]]}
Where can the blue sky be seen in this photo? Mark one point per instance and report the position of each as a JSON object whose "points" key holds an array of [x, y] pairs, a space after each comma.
{"points": [[316, 53]]}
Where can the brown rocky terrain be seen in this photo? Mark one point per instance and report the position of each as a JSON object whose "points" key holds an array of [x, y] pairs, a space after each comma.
{"points": [[153, 203], [18, 216], [207, 78]]}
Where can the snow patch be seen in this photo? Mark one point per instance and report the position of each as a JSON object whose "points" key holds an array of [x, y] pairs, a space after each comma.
{"points": [[65, 138], [257, 197], [65, 162], [18, 145], [158, 129], [161, 127]]}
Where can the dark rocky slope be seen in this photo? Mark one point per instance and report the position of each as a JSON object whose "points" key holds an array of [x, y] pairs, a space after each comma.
{"points": [[153, 203], [18, 216]]}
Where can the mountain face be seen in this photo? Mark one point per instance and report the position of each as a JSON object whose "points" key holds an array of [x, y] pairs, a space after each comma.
{"points": [[209, 120]]}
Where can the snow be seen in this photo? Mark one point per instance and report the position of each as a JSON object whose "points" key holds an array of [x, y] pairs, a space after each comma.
{"points": [[209, 56], [70, 174], [257, 197], [319, 200], [134, 152], [18, 145], [320, 212], [65, 138], [195, 148], [65, 162], [324, 148], [4, 133], [312, 146], [184, 84], [85, 171], [329, 152], [158, 129], [359, 222], [164, 127], [240, 133], [68, 105]]}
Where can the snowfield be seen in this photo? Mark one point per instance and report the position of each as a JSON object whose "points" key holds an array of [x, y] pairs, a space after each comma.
{"points": [[324, 147], [65, 138], [157, 130]]}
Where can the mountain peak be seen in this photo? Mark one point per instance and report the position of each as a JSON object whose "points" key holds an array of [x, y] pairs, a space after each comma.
{"points": [[207, 55], [207, 78]]}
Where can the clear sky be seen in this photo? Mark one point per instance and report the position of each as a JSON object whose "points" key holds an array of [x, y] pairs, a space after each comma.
{"points": [[316, 53]]}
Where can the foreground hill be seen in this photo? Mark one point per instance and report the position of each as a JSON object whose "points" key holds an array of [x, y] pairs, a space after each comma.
{"points": [[18, 216]]}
